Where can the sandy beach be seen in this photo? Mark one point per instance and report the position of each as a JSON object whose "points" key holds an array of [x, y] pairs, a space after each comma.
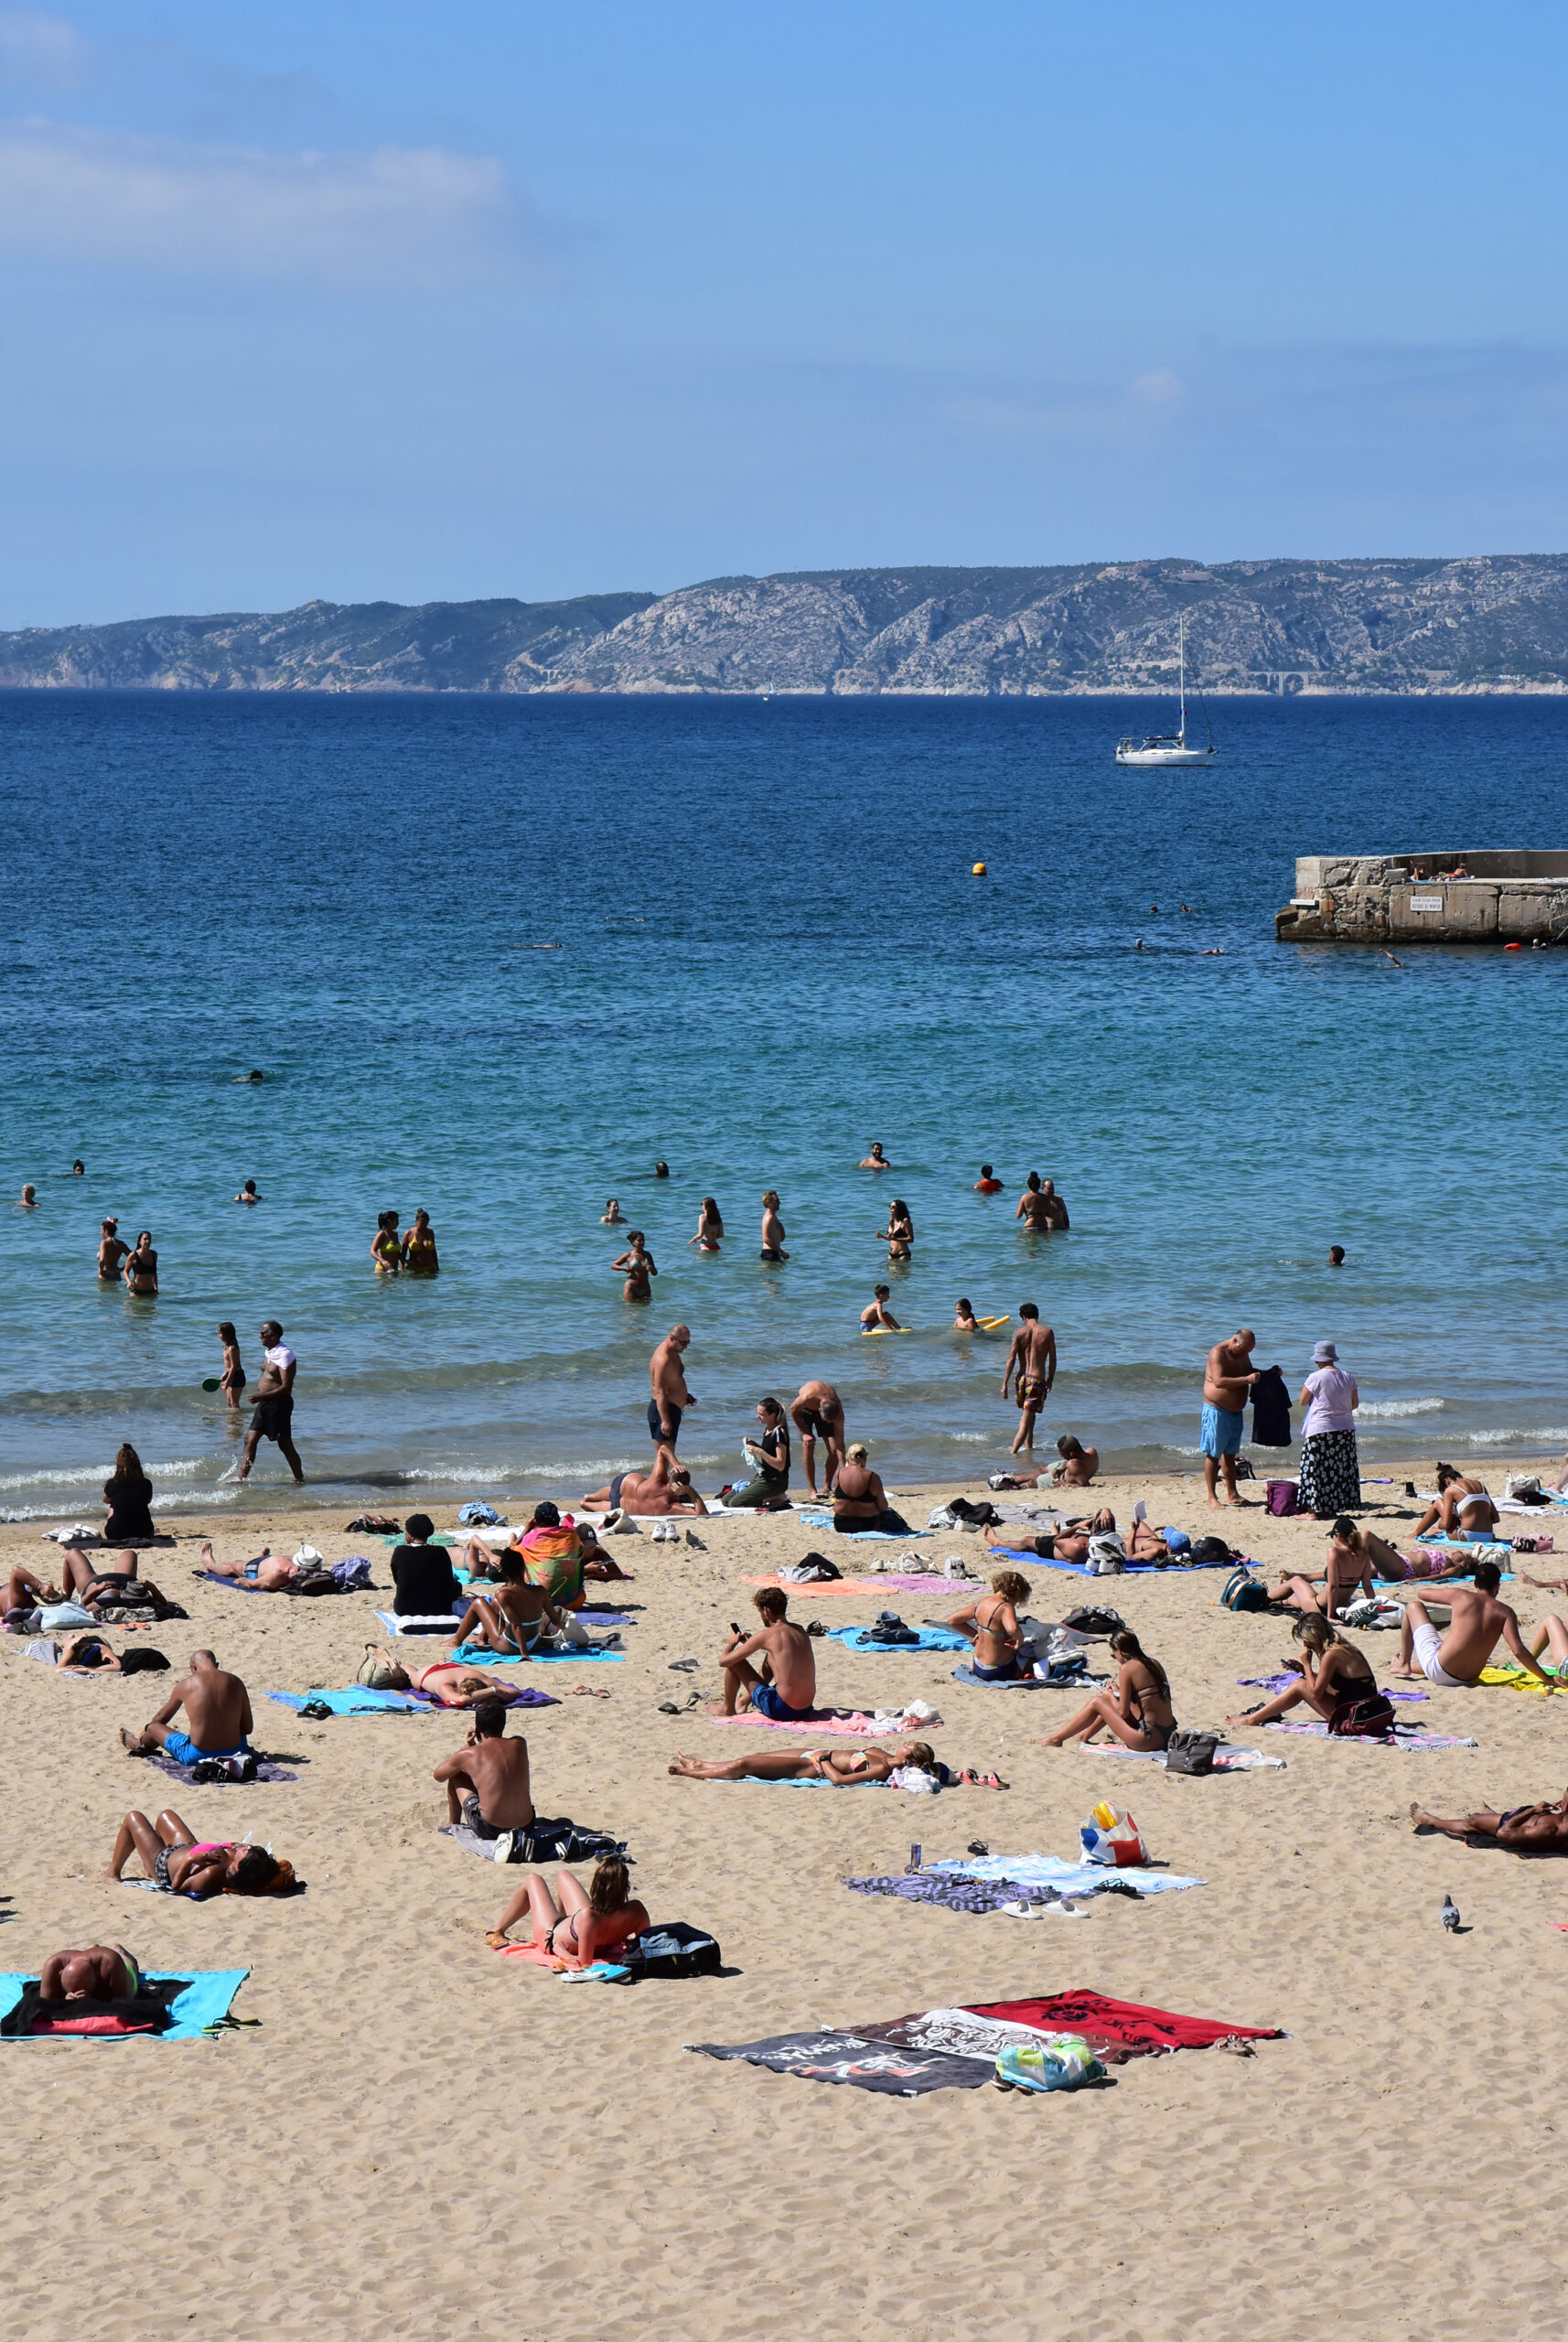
{"points": [[420, 2135]]}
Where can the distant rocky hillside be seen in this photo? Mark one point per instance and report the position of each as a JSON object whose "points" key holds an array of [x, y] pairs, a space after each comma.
{"points": [[1495, 623]]}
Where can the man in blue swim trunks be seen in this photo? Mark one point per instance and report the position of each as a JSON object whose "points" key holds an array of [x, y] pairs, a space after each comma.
{"points": [[217, 1713], [783, 1684], [1226, 1379]]}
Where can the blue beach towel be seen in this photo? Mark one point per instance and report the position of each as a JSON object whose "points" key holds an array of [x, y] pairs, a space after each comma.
{"points": [[929, 1638], [1080, 1569], [472, 1658], [205, 2001]]}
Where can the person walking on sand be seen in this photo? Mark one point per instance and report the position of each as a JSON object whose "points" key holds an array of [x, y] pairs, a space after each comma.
{"points": [[1476, 1621], [273, 1415], [773, 1228], [817, 1414], [1032, 1358], [782, 1686], [667, 1376], [1226, 1379]]}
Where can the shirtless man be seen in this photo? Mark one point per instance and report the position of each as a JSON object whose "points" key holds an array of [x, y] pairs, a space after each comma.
{"points": [[100, 1971], [1524, 1829], [1078, 1466], [1056, 1210], [1034, 1357], [845, 1769], [667, 1377], [217, 1712], [1033, 1208], [273, 1415], [860, 1501], [783, 1684], [875, 1160], [817, 1413], [271, 1572], [876, 1317], [1462, 1507], [1476, 1622], [1226, 1379], [648, 1496], [487, 1778]]}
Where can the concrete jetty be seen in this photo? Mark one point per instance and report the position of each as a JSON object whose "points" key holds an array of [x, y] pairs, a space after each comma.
{"points": [[1509, 896]]}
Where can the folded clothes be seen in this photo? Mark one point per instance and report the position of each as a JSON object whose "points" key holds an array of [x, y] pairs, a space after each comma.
{"points": [[1404, 1735], [842, 1724], [542, 1841], [202, 2004], [1227, 1758], [1520, 1679], [926, 1637]]}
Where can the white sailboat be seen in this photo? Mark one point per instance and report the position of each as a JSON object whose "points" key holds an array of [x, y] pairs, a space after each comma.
{"points": [[1168, 749]]}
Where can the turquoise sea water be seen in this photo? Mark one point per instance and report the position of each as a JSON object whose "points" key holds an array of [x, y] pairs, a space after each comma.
{"points": [[771, 952]]}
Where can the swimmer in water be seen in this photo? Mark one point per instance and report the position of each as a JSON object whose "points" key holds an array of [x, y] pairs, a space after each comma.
{"points": [[662, 1169], [247, 1194], [419, 1253], [28, 1200], [638, 1263], [875, 1160], [773, 1231], [611, 1216], [141, 1269], [79, 1169], [988, 1184], [111, 1250], [710, 1227], [386, 1245], [964, 1319]]}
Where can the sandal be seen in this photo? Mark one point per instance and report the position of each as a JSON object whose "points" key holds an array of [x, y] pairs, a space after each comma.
{"points": [[496, 1938]]}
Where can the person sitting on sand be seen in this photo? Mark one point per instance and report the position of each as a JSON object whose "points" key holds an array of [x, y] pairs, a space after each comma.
{"points": [[1078, 1466], [860, 1501], [217, 1712], [487, 1778], [1523, 1830], [843, 1768], [990, 1621], [269, 1572], [648, 1496], [782, 1686], [1137, 1708], [98, 1971], [1348, 1572], [178, 1862], [876, 1317], [1462, 1507], [575, 1928], [1476, 1622], [511, 1623], [1334, 1678], [552, 1554], [425, 1583], [768, 1490]]}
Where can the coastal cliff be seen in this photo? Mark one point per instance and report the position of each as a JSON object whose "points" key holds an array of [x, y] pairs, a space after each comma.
{"points": [[1491, 623]]}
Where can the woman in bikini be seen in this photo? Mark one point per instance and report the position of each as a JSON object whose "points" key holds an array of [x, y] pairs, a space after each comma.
{"points": [[386, 1246], [638, 1265], [992, 1623], [419, 1255], [581, 1928], [844, 1768], [231, 1382], [141, 1269], [511, 1621], [710, 1227], [899, 1233], [1137, 1708], [178, 1862], [111, 1250], [1334, 1678], [1463, 1507]]}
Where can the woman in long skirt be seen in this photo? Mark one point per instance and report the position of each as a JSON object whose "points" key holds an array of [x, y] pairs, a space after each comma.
{"points": [[1331, 1467]]}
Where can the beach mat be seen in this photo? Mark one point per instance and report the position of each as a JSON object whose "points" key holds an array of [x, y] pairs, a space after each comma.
{"points": [[266, 1770], [1081, 1568], [956, 2048], [862, 1536], [1403, 1736], [1228, 1758], [598, 1972], [1520, 1679], [1025, 1682], [436, 1623], [559, 1841], [862, 1588], [356, 1700], [1284, 1683], [1037, 1880], [472, 1656], [842, 1724], [204, 2004], [929, 1638]]}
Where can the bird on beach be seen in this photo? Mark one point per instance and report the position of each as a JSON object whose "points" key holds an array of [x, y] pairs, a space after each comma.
{"points": [[1450, 1915]]}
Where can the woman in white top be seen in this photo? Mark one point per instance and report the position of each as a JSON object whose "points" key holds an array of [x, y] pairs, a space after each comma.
{"points": [[1330, 1469]]}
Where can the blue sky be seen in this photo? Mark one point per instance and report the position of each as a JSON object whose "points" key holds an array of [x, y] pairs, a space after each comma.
{"points": [[400, 301]]}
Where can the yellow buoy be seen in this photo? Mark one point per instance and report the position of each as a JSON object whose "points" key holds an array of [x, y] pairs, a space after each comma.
{"points": [[979, 870]]}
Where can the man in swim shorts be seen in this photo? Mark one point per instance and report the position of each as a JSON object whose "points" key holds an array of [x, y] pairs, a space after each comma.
{"points": [[667, 1375], [782, 1686], [486, 1780], [1525, 1829], [217, 1712], [817, 1414], [1032, 1356], [273, 1416], [1476, 1621], [1226, 1379], [269, 1572]]}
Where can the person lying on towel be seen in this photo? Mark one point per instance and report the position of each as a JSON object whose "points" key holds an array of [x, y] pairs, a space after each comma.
{"points": [[577, 1927], [650, 1495], [782, 1686], [217, 1712], [1068, 1544], [845, 1769], [100, 1971], [487, 1778], [450, 1682], [990, 1622], [269, 1571], [1523, 1830], [178, 1862]]}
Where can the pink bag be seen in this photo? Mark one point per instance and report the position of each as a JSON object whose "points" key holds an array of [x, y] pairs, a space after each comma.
{"points": [[1284, 1499]]}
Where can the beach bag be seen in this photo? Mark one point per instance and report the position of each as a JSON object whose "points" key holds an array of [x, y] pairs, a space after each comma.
{"points": [[54, 1615], [1371, 1711], [1190, 1751], [1095, 1618], [1525, 1486], [1059, 2061], [1107, 1556], [673, 1949], [889, 1628], [375, 1671], [1209, 1553], [1244, 1592], [354, 1570], [1111, 1840], [1284, 1499]]}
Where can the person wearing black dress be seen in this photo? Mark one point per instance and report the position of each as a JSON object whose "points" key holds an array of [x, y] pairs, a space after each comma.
{"points": [[129, 1497]]}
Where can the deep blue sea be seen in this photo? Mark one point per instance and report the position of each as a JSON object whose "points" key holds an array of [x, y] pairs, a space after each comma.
{"points": [[771, 951]]}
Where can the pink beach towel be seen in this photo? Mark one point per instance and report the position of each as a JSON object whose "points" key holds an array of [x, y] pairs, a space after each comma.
{"points": [[843, 1723]]}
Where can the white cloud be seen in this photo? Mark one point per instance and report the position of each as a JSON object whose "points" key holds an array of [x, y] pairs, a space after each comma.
{"points": [[407, 217], [36, 48]]}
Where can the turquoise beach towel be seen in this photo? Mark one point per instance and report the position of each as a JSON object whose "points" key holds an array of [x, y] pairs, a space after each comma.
{"points": [[205, 2001], [929, 1638]]}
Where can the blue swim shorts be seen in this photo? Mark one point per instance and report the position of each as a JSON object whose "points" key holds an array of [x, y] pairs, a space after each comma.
{"points": [[184, 1750], [1221, 1433], [767, 1701], [656, 1429]]}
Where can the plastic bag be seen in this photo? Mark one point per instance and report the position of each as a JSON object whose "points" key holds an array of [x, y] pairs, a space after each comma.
{"points": [[1111, 1840], [1057, 2061]]}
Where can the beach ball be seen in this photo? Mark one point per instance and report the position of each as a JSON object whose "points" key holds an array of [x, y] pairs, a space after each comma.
{"points": [[979, 870]]}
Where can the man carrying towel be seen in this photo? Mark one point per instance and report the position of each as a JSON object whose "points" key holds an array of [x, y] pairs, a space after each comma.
{"points": [[217, 1713], [486, 1780], [1226, 1379]]}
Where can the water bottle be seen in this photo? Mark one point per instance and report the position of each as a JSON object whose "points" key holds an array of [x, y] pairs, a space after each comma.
{"points": [[914, 1861]]}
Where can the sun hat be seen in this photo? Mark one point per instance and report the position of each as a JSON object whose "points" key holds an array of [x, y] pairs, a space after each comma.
{"points": [[1325, 1354]]}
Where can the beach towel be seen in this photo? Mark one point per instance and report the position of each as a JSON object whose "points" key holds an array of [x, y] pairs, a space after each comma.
{"points": [[438, 1623], [1035, 1880], [598, 1972], [860, 1536], [475, 1655], [1284, 1683], [1520, 1679], [1051, 1870], [236, 1584], [956, 2048], [358, 1700], [202, 2005], [1227, 1758], [928, 1637], [1080, 1569], [1025, 1682], [542, 1841], [1404, 1735], [841, 1723], [266, 1770], [859, 1588]]}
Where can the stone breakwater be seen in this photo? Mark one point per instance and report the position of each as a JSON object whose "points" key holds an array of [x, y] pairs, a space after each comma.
{"points": [[1513, 896]]}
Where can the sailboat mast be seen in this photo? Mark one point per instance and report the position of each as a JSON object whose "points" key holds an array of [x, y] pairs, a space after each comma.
{"points": [[1182, 657]]}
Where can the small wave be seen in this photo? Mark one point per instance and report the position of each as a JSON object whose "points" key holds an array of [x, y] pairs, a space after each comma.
{"points": [[1393, 1409], [1553, 1436]]}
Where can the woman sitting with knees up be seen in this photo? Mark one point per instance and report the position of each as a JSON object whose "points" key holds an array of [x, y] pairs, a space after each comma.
{"points": [[579, 1927], [1336, 1679], [1137, 1708], [1348, 1572]]}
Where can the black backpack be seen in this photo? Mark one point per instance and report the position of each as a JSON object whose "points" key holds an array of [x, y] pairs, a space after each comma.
{"points": [[673, 1949], [1189, 1751]]}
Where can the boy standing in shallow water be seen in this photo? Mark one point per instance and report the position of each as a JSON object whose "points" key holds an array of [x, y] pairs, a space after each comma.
{"points": [[1032, 1356]]}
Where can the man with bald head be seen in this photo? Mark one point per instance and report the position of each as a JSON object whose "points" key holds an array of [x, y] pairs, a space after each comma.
{"points": [[1227, 1380], [671, 1397]]}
